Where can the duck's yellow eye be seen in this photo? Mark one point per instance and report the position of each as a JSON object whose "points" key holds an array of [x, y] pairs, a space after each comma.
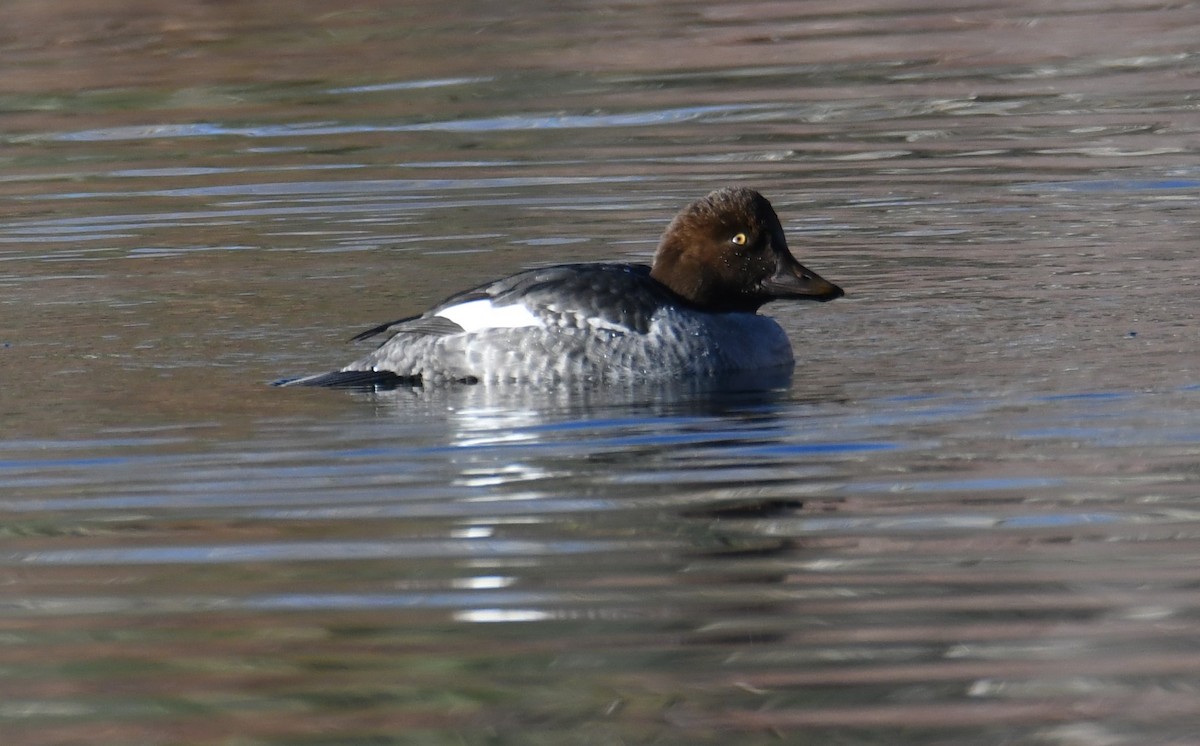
{"points": [[739, 239]]}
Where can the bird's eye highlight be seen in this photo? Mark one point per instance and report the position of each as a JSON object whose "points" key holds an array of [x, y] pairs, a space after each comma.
{"points": [[739, 239]]}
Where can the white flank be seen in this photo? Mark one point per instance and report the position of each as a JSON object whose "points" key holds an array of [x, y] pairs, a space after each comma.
{"points": [[481, 314]]}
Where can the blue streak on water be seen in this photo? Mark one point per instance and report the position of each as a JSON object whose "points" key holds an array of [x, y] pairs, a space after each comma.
{"points": [[966, 485], [816, 448], [486, 124], [318, 552], [385, 501], [327, 191], [1115, 185], [1085, 395], [1060, 520], [37, 464]]}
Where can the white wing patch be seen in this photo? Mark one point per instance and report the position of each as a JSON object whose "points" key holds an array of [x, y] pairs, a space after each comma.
{"points": [[482, 314], [599, 323]]}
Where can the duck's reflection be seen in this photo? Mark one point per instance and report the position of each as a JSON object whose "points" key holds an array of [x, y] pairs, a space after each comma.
{"points": [[608, 484]]}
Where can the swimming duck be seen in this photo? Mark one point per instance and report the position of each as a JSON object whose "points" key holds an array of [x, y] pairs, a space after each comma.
{"points": [[693, 313]]}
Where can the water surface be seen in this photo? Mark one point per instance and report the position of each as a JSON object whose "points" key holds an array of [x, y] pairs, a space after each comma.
{"points": [[970, 516]]}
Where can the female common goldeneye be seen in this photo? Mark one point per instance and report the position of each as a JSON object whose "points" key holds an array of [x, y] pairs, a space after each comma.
{"points": [[693, 314]]}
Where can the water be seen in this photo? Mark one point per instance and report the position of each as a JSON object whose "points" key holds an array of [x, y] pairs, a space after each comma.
{"points": [[969, 517]]}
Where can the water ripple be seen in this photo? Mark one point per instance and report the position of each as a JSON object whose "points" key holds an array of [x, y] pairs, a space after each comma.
{"points": [[324, 129]]}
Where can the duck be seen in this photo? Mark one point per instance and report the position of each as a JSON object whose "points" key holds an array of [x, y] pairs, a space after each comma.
{"points": [[693, 313]]}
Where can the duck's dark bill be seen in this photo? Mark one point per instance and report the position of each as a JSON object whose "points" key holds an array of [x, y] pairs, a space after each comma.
{"points": [[792, 280]]}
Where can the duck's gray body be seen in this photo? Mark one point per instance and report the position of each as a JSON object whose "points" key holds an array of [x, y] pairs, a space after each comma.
{"points": [[597, 322]]}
